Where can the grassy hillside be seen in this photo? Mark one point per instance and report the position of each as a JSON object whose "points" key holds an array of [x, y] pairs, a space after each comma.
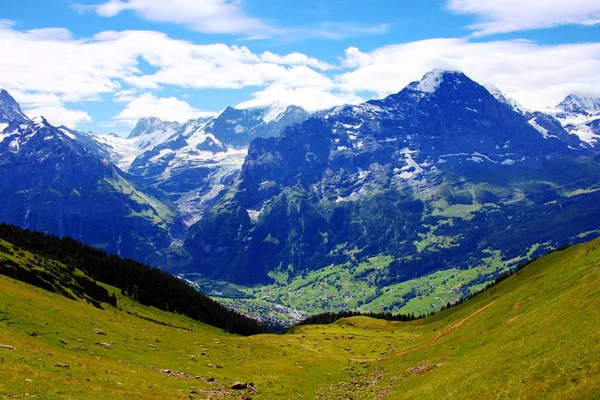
{"points": [[535, 335]]}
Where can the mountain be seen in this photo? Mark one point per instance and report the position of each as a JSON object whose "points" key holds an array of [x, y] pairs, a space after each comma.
{"points": [[52, 183], [530, 336], [434, 177]]}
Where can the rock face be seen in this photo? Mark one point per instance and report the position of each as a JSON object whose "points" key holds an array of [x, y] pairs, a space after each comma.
{"points": [[9, 109], [432, 175], [51, 183]]}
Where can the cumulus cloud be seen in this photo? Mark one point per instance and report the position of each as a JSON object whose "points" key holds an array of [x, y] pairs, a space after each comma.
{"points": [[502, 16], [535, 75], [79, 70], [165, 108]]}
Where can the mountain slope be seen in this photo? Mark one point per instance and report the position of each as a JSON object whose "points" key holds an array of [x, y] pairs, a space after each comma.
{"points": [[534, 335], [78, 271], [51, 183]]}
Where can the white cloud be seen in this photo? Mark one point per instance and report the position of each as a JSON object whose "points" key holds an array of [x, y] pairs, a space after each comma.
{"points": [[50, 69], [59, 115], [228, 17], [343, 30], [57, 68], [165, 108], [295, 59], [50, 107], [501, 16], [535, 75], [209, 16]]}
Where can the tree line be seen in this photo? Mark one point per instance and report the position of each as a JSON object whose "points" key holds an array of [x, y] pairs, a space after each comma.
{"points": [[147, 285]]}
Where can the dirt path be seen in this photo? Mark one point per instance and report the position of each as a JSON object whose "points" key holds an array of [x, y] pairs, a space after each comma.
{"points": [[403, 352]]}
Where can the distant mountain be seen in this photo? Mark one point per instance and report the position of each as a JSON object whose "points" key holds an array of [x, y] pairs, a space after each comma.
{"points": [[192, 163], [580, 104], [579, 116], [52, 183], [433, 176], [147, 126]]}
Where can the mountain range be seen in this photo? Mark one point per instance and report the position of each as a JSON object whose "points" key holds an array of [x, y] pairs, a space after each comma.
{"points": [[446, 174]]}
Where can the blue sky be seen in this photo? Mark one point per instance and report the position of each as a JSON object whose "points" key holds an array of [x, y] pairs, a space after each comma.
{"points": [[102, 64]]}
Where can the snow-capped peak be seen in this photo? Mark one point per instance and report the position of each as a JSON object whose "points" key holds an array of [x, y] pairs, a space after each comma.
{"points": [[151, 125], [432, 80], [580, 104], [503, 98], [39, 122]]}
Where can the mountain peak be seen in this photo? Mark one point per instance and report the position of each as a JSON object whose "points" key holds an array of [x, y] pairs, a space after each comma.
{"points": [[10, 109], [39, 121], [580, 104], [433, 79], [152, 124]]}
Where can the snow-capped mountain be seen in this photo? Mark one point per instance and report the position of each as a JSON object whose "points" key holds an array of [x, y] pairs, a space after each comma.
{"points": [[432, 175], [579, 115], [577, 104], [193, 162]]}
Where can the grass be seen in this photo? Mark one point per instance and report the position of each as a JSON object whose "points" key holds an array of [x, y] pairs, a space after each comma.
{"points": [[536, 335]]}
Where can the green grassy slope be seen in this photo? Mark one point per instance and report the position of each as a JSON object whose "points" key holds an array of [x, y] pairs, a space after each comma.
{"points": [[534, 335]]}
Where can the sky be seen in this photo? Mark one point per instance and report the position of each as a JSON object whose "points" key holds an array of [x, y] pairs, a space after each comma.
{"points": [[100, 65]]}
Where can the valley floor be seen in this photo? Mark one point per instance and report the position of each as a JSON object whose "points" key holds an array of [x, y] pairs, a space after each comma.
{"points": [[535, 335]]}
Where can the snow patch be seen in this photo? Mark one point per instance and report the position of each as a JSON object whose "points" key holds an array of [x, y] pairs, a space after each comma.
{"points": [[431, 81], [540, 129], [68, 134], [275, 112]]}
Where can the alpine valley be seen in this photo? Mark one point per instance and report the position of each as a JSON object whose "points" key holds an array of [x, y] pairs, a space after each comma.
{"points": [[402, 204]]}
